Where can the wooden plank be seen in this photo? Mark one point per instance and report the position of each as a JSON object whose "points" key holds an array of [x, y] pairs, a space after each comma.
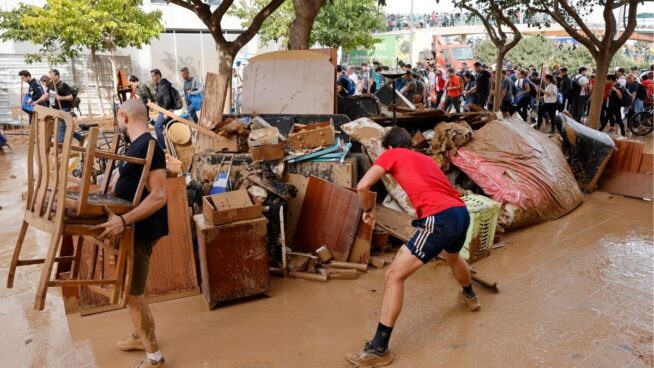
{"points": [[360, 252], [295, 205], [628, 156], [629, 184], [211, 114], [199, 128], [330, 216], [646, 163], [397, 223]]}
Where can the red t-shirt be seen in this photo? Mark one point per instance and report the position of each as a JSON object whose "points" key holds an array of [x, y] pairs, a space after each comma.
{"points": [[423, 181]]}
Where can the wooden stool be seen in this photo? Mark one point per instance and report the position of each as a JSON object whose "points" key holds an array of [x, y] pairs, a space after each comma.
{"points": [[48, 197]]}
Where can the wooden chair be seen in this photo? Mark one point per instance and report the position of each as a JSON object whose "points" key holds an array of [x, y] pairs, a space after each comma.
{"points": [[47, 199]]}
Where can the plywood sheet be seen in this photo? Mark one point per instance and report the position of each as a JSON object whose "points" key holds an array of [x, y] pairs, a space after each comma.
{"points": [[344, 175], [289, 82], [215, 87], [295, 205], [360, 252], [397, 223], [330, 216], [628, 156]]}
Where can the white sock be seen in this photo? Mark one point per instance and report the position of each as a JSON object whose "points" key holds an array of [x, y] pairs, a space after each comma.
{"points": [[155, 357]]}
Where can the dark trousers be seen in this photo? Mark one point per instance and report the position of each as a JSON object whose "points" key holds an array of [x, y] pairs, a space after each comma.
{"points": [[523, 106], [550, 110], [613, 115], [453, 101], [439, 97], [577, 107]]}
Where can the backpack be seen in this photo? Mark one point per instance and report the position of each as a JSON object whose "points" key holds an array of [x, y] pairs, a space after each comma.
{"points": [[575, 87], [627, 98], [641, 94], [177, 99], [74, 90], [351, 88]]}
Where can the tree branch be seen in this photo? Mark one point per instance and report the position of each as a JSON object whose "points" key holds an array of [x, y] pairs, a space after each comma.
{"points": [[610, 25], [580, 22], [203, 11], [558, 17], [221, 10], [254, 27], [630, 27], [517, 36], [489, 27]]}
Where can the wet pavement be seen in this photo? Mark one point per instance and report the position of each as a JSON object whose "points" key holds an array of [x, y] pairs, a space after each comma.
{"points": [[576, 292]]}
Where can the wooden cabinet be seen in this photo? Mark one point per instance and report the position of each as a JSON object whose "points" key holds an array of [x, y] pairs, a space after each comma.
{"points": [[233, 259]]}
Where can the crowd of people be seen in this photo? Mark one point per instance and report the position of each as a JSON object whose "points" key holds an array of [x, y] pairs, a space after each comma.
{"points": [[399, 22], [536, 95]]}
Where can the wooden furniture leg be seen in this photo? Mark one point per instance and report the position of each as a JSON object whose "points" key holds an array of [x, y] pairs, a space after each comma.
{"points": [[46, 271], [14, 259]]}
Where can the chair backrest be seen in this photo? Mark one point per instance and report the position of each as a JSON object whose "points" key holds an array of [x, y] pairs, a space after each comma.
{"points": [[47, 163], [90, 153]]}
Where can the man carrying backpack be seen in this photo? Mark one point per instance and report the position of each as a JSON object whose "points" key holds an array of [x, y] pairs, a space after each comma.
{"points": [[166, 98], [61, 98], [344, 85], [579, 94], [638, 95]]}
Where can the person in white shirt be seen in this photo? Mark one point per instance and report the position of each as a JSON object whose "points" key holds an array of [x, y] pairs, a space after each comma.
{"points": [[550, 96], [619, 73], [578, 103], [354, 78]]}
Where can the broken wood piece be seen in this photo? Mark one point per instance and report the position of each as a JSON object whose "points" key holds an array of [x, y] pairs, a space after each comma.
{"points": [[324, 254], [298, 262], [263, 137], [419, 140], [180, 119], [270, 152], [342, 274], [311, 136], [349, 265], [309, 276], [377, 262], [258, 123]]}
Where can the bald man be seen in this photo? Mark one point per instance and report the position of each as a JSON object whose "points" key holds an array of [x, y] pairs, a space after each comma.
{"points": [[150, 221]]}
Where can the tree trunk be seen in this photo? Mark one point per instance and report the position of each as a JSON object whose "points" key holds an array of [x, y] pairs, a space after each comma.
{"points": [[499, 60], [114, 83], [306, 12], [225, 62], [94, 57], [602, 62]]}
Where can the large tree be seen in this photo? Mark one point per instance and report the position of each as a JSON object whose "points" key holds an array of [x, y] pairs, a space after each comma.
{"points": [[339, 23], [603, 44], [227, 50], [493, 15]]}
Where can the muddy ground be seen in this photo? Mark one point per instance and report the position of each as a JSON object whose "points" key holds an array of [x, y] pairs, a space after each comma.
{"points": [[576, 292]]}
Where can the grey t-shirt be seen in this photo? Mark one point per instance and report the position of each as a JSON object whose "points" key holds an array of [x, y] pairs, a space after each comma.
{"points": [[507, 85]]}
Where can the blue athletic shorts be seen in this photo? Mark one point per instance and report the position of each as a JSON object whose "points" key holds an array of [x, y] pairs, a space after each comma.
{"points": [[445, 230]]}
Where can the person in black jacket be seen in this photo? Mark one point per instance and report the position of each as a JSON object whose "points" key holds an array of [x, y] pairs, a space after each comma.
{"points": [[35, 93], [164, 99], [565, 87]]}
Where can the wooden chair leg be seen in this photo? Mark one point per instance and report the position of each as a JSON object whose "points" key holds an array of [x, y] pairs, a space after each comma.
{"points": [[46, 272], [123, 243], [78, 257], [14, 259], [129, 269]]}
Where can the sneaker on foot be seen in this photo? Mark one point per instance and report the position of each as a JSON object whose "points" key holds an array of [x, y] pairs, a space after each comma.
{"points": [[132, 342], [472, 302], [369, 357], [147, 363]]}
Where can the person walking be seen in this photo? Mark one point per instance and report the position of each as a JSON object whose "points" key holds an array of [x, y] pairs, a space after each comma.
{"points": [[549, 103], [60, 97], [614, 104], [453, 88], [150, 219], [638, 95], [523, 96], [506, 96], [579, 94], [164, 99], [193, 90], [442, 226], [564, 85], [142, 90], [483, 85], [470, 91], [35, 93]]}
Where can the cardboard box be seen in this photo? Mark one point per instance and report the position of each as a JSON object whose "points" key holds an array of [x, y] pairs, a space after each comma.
{"points": [[226, 144], [229, 207], [268, 153], [263, 137], [303, 137]]}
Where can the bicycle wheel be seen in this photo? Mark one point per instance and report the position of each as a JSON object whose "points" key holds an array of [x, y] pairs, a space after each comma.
{"points": [[641, 123]]}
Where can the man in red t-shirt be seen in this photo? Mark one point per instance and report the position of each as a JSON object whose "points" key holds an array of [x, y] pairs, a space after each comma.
{"points": [[442, 226], [453, 90]]}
